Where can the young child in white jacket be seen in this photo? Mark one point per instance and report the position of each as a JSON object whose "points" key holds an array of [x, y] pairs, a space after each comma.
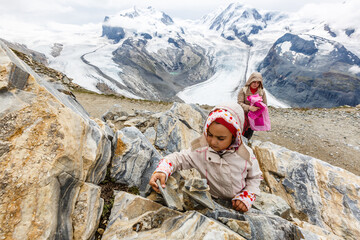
{"points": [[230, 167]]}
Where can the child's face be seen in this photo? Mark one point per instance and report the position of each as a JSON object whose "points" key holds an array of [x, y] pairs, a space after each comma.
{"points": [[255, 84], [218, 137]]}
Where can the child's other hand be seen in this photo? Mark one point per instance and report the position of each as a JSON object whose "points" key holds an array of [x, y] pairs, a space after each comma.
{"points": [[158, 175], [253, 108], [239, 206]]}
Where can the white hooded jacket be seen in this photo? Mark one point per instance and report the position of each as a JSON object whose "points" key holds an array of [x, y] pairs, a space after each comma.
{"points": [[228, 173]]}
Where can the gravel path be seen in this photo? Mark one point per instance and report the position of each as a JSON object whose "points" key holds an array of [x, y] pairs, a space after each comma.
{"points": [[332, 135]]}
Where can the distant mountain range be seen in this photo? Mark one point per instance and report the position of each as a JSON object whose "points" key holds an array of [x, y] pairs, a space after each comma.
{"points": [[144, 53]]}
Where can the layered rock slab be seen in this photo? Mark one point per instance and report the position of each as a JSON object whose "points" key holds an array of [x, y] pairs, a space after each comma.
{"points": [[134, 217], [323, 198], [51, 156]]}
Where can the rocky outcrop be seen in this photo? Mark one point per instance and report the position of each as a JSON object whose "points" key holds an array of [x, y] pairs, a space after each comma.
{"points": [[178, 127], [309, 71], [114, 33], [39, 65], [56, 49], [134, 217], [52, 157], [135, 158], [294, 204], [36, 56], [323, 198]]}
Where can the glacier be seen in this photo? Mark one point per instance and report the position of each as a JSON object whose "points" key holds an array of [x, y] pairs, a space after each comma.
{"points": [[236, 40]]}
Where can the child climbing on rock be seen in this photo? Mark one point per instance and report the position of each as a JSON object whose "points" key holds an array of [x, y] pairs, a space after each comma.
{"points": [[230, 167]]}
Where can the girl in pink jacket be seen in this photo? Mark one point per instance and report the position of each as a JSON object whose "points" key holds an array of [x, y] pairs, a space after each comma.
{"points": [[254, 85], [230, 167]]}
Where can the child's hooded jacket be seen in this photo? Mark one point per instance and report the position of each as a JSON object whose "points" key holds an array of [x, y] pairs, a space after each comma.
{"points": [[245, 91], [231, 173]]}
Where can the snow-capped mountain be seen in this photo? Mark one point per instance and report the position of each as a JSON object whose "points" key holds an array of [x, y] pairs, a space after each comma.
{"points": [[144, 53], [332, 70], [240, 22], [155, 59], [313, 70], [143, 22]]}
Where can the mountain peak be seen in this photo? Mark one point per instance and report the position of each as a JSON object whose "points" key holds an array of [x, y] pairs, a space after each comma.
{"points": [[147, 48], [138, 22], [133, 15], [237, 16]]}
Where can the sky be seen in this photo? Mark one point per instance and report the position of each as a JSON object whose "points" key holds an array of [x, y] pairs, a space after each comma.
{"points": [[93, 11]]}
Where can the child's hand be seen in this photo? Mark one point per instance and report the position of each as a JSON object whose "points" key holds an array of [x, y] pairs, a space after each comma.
{"points": [[158, 175], [253, 108], [239, 206]]}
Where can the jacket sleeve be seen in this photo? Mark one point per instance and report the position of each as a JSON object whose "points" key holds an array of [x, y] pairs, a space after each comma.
{"points": [[254, 176], [241, 100], [264, 98], [176, 161]]}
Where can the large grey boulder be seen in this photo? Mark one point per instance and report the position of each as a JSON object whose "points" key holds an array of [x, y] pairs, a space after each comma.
{"points": [[179, 126], [113, 113], [134, 217], [323, 198], [295, 208], [273, 205], [134, 160]]}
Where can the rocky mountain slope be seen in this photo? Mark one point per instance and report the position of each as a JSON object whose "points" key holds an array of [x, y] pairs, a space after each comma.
{"points": [[55, 158], [329, 134]]}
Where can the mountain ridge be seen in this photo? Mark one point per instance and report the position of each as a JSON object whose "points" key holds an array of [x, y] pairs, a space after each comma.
{"points": [[203, 61]]}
